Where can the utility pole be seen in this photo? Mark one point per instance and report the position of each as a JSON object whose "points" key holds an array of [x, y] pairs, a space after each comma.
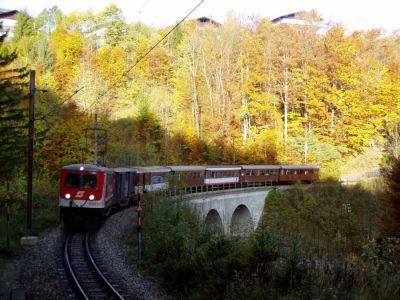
{"points": [[95, 140], [139, 228], [29, 239], [98, 137], [8, 198], [31, 126]]}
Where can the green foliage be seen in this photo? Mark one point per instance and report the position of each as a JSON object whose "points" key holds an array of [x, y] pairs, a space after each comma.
{"points": [[334, 219], [45, 210], [391, 199], [149, 130], [305, 247], [338, 228], [64, 143], [188, 257], [24, 26], [114, 24], [13, 120], [169, 239], [48, 19], [177, 37], [135, 141], [320, 153]]}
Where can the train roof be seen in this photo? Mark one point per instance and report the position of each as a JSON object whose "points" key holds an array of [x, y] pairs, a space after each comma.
{"points": [[155, 169], [85, 167], [299, 167], [223, 168], [124, 170], [261, 167], [187, 168]]}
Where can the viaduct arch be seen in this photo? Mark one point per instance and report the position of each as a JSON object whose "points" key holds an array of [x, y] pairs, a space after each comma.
{"points": [[233, 211]]}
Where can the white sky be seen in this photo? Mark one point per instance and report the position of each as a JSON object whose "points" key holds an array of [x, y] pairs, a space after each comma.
{"points": [[353, 14]]}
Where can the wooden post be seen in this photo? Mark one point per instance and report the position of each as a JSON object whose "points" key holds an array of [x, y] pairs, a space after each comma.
{"points": [[139, 228], [31, 126], [95, 140], [8, 199]]}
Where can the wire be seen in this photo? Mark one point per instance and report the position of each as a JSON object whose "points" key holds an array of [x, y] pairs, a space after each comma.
{"points": [[135, 64], [73, 94], [152, 48], [55, 107]]}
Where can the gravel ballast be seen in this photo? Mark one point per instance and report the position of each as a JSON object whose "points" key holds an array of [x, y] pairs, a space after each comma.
{"points": [[34, 271], [115, 256]]}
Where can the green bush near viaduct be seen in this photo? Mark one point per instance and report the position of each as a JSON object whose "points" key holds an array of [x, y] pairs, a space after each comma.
{"points": [[322, 241]]}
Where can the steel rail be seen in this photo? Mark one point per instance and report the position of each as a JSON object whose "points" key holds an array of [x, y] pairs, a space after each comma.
{"points": [[78, 285], [70, 271], [100, 274]]}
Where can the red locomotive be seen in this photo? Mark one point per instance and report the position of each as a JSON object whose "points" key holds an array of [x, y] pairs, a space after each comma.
{"points": [[89, 192], [86, 192]]}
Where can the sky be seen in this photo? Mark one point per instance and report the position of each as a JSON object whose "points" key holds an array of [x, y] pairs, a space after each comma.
{"points": [[353, 14]]}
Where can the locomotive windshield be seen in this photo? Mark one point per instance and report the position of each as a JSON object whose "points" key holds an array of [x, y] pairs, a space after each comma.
{"points": [[79, 180]]}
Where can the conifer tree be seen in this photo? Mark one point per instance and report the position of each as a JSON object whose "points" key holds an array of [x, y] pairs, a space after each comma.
{"points": [[12, 117]]}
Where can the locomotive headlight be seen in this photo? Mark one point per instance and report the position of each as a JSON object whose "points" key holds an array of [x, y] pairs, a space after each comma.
{"points": [[91, 197], [81, 168], [67, 196]]}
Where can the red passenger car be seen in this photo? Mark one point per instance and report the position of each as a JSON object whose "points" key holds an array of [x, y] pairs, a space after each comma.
{"points": [[191, 176], [301, 173], [222, 175], [265, 174]]}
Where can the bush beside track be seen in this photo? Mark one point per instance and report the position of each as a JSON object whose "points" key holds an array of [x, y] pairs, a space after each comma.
{"points": [[45, 211], [308, 245]]}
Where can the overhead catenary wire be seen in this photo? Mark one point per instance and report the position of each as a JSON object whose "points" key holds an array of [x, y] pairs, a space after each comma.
{"points": [[51, 112], [124, 74], [152, 48]]}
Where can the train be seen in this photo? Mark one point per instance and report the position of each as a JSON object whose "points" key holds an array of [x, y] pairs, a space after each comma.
{"points": [[88, 193]]}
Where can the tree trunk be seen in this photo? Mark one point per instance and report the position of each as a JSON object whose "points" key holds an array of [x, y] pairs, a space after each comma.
{"points": [[396, 143], [195, 100], [245, 103], [195, 110], [209, 88], [305, 149]]}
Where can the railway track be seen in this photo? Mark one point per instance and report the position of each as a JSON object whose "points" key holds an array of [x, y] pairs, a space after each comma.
{"points": [[86, 278]]}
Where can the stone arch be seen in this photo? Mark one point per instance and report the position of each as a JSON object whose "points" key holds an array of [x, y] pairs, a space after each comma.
{"points": [[242, 221], [213, 221]]}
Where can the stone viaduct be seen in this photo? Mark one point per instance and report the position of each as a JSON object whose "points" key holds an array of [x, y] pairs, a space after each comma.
{"points": [[233, 211]]}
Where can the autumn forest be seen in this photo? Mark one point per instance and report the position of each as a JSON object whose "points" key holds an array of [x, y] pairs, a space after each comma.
{"points": [[246, 91]]}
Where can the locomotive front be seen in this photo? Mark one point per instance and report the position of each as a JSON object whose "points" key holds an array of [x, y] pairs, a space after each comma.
{"points": [[86, 192]]}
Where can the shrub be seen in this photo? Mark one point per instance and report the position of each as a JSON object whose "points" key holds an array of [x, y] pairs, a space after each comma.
{"points": [[307, 245], [45, 210]]}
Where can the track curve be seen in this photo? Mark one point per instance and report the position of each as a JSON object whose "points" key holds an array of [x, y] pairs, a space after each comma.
{"points": [[85, 276]]}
